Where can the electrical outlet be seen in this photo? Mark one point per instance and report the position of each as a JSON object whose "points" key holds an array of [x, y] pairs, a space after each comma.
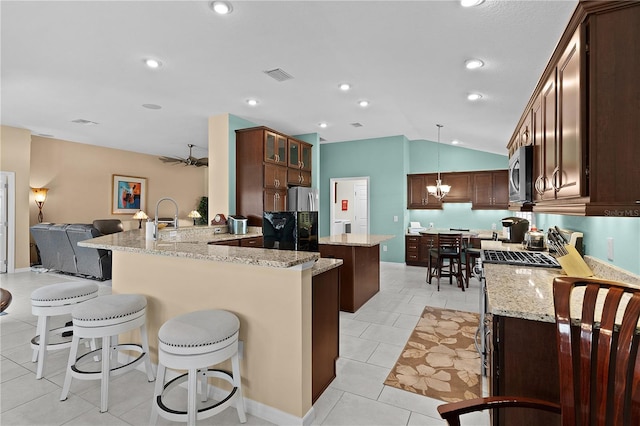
{"points": [[395, 218], [610, 248], [384, 248]]}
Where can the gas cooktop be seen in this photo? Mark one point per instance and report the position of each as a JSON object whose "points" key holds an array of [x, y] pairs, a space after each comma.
{"points": [[523, 258]]}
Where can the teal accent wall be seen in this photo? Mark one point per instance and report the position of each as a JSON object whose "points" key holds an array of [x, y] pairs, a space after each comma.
{"points": [[460, 215], [625, 232], [424, 158], [383, 161]]}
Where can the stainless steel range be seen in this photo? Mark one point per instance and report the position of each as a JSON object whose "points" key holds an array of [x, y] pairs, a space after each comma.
{"points": [[520, 258]]}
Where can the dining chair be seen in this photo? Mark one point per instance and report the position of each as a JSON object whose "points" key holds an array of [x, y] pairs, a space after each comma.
{"points": [[447, 254], [598, 357]]}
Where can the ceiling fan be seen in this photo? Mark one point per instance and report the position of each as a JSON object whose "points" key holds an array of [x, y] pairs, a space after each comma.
{"points": [[189, 161]]}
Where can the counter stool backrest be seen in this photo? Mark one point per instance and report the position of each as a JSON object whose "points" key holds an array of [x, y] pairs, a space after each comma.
{"points": [[449, 243]]}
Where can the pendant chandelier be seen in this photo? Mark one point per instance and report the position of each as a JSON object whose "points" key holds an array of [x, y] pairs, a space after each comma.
{"points": [[439, 190]]}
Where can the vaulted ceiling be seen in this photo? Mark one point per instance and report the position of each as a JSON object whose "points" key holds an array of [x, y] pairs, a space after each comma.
{"points": [[65, 61]]}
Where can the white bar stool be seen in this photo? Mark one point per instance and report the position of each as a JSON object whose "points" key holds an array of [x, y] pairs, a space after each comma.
{"points": [[54, 300], [106, 317], [194, 342]]}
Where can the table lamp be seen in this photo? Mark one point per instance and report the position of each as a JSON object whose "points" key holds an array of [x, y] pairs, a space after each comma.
{"points": [[193, 214], [140, 215]]}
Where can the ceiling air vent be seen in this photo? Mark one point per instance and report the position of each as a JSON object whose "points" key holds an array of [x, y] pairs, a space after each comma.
{"points": [[278, 74], [83, 121], [356, 124]]}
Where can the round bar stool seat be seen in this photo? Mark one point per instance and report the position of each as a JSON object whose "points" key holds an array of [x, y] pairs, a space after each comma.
{"points": [[106, 317], [54, 300], [194, 342]]}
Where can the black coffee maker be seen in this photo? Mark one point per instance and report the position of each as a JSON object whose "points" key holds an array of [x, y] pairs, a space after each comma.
{"points": [[515, 228]]}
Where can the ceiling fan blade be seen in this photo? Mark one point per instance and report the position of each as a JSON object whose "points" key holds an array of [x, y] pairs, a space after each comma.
{"points": [[204, 161], [171, 160]]}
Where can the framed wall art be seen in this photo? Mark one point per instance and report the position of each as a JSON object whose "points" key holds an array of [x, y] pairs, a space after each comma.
{"points": [[129, 194]]}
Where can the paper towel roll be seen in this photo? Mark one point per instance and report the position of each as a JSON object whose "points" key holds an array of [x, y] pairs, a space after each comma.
{"points": [[149, 230]]}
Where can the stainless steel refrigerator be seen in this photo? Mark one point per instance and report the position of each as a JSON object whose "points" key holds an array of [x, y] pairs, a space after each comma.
{"points": [[302, 199]]}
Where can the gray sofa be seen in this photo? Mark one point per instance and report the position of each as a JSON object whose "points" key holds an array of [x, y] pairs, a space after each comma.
{"points": [[59, 251]]}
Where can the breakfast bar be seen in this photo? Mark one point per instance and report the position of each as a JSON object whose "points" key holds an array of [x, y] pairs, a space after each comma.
{"points": [[269, 290]]}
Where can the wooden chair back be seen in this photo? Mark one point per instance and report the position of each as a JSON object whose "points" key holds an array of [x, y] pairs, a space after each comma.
{"points": [[599, 361], [449, 244]]}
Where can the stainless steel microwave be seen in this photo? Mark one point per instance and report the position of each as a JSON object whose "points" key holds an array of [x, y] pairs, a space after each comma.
{"points": [[520, 175]]}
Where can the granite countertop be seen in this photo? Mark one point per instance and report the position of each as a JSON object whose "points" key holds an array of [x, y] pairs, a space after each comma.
{"points": [[527, 292], [193, 243], [324, 264], [360, 240]]}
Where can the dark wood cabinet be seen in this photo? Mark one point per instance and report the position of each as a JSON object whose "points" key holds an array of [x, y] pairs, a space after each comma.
{"points": [[360, 273], [490, 190], [275, 176], [417, 248], [460, 187], [275, 200], [267, 164], [275, 148], [234, 243], [417, 197], [325, 330], [251, 242], [584, 114], [524, 362], [299, 154]]}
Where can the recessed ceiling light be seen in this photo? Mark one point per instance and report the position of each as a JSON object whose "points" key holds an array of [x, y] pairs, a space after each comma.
{"points": [[252, 102], [344, 86], [152, 106], [363, 103], [473, 64], [474, 96], [153, 63], [323, 125], [221, 7], [455, 142], [470, 3]]}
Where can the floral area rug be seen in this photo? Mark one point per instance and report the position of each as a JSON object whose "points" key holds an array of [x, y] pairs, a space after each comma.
{"points": [[440, 359]]}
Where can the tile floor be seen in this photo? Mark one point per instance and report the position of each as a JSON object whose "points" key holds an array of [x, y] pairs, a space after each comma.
{"points": [[370, 342]]}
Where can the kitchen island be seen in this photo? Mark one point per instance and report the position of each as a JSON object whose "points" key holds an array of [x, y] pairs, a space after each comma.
{"points": [[269, 290], [360, 276], [523, 357]]}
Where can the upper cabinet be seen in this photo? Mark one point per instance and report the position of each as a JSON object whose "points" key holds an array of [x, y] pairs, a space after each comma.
{"points": [[485, 190], [275, 148], [299, 173], [584, 116], [417, 196], [490, 190]]}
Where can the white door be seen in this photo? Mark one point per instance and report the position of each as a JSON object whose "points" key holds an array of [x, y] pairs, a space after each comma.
{"points": [[361, 209], [4, 237]]}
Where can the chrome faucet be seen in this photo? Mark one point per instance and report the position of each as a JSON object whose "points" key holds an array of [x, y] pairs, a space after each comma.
{"points": [[156, 221]]}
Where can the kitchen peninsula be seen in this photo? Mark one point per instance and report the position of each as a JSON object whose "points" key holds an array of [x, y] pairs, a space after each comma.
{"points": [[360, 276], [269, 290], [523, 357]]}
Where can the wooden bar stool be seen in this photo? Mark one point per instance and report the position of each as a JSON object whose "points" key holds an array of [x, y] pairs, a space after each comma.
{"points": [[194, 342], [447, 253], [54, 300], [106, 317]]}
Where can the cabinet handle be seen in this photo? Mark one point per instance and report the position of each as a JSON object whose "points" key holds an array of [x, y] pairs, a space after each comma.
{"points": [[302, 164], [301, 179], [554, 178], [540, 185]]}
